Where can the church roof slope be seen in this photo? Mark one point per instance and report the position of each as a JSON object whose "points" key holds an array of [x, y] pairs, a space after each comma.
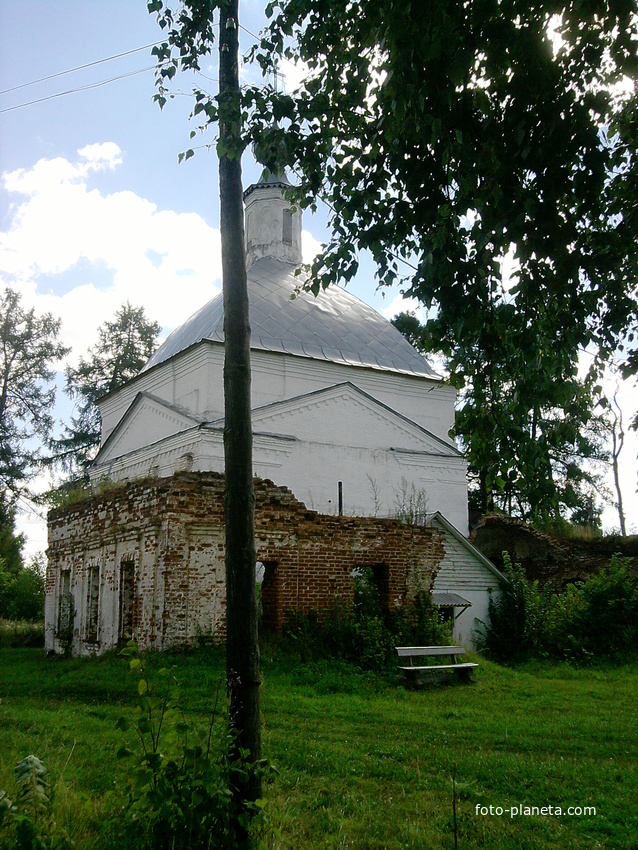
{"points": [[335, 326]]}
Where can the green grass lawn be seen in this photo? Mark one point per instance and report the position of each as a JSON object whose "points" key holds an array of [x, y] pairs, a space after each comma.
{"points": [[362, 763]]}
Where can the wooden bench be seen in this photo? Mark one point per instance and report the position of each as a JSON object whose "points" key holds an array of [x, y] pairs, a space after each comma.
{"points": [[415, 673]]}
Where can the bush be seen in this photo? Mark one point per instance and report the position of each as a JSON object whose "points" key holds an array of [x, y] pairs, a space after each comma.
{"points": [[28, 594], [563, 628], [22, 591], [517, 617], [364, 635], [595, 619], [420, 624], [182, 781]]}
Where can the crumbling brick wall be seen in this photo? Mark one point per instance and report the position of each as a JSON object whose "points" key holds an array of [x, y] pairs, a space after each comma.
{"points": [[550, 559], [168, 534]]}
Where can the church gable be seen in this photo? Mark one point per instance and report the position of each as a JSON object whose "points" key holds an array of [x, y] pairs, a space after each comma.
{"points": [[148, 420], [344, 415]]}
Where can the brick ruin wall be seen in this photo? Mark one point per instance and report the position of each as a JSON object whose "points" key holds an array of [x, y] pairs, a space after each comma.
{"points": [[546, 558], [148, 559]]}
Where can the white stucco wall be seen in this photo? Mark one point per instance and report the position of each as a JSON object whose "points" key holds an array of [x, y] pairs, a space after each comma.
{"points": [[194, 380], [265, 207], [362, 443], [469, 620], [427, 402], [308, 443], [312, 470]]}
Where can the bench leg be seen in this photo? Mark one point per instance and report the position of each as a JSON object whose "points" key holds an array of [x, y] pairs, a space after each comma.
{"points": [[412, 679], [465, 676]]}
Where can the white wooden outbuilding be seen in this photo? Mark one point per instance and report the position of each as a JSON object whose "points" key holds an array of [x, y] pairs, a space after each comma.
{"points": [[464, 583]]}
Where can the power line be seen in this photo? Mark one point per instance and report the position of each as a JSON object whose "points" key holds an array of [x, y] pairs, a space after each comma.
{"points": [[92, 85], [252, 34], [80, 67], [98, 85], [79, 89]]}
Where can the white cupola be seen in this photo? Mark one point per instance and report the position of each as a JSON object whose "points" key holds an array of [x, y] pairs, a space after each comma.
{"points": [[273, 225]]}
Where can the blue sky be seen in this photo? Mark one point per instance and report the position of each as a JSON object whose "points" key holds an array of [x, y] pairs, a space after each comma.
{"points": [[84, 170], [94, 208]]}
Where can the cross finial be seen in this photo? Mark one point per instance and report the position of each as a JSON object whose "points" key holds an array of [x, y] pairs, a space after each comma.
{"points": [[277, 75]]}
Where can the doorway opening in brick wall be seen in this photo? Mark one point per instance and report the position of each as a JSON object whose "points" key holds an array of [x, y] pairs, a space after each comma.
{"points": [[127, 600], [267, 570], [374, 576]]}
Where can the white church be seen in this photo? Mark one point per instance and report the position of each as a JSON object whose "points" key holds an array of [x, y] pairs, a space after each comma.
{"points": [[349, 421], [346, 413]]}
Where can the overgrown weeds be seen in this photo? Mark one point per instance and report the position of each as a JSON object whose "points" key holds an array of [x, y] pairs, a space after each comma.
{"points": [[180, 776], [20, 633], [27, 822], [594, 620], [364, 634], [80, 490]]}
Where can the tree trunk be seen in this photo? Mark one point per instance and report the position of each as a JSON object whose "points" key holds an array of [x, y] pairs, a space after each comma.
{"points": [[618, 440], [242, 649]]}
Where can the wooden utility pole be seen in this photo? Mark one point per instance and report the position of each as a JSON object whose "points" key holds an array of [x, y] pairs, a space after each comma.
{"points": [[242, 648]]}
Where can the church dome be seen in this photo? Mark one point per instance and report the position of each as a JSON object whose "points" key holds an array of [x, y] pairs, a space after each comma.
{"points": [[334, 326]]}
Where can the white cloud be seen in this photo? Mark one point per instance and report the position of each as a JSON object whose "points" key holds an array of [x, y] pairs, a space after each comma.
{"points": [[48, 174], [101, 155], [78, 253], [310, 246], [399, 304], [66, 239]]}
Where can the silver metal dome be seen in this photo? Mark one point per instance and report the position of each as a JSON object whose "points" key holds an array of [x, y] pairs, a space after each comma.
{"points": [[335, 326]]}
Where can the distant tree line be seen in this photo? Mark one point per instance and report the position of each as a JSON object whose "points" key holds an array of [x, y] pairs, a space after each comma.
{"points": [[21, 586]]}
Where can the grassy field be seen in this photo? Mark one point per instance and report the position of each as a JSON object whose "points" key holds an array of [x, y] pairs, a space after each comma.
{"points": [[15, 633], [362, 762]]}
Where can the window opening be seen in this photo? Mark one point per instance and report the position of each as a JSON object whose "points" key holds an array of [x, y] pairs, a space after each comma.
{"points": [[269, 598], [371, 588], [92, 603], [127, 599], [65, 606], [287, 234], [381, 576]]}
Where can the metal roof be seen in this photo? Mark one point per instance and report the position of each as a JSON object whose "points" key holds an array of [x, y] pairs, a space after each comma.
{"points": [[335, 326], [450, 600], [268, 179]]}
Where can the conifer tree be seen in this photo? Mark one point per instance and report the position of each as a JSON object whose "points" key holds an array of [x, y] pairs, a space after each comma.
{"points": [[123, 346]]}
